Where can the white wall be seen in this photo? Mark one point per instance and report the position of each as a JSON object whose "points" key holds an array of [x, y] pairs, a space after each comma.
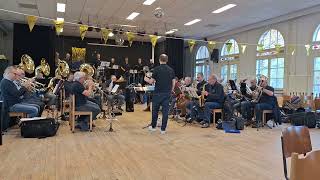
{"points": [[298, 68]]}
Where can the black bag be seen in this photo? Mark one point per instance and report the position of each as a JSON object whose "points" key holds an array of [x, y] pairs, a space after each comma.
{"points": [[304, 119], [297, 119], [219, 125], [239, 123], [310, 120], [39, 128], [229, 125], [129, 96]]}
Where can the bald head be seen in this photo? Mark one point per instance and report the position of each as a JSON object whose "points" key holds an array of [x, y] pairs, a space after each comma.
{"points": [[212, 79]]}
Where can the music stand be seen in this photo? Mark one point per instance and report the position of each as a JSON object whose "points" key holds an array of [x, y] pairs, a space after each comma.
{"points": [[233, 85]]}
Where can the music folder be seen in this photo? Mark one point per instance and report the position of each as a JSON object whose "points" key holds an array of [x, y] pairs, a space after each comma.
{"points": [[115, 88]]}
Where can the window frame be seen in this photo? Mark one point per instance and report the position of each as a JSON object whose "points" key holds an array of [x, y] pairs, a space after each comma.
{"points": [[230, 60], [203, 61]]}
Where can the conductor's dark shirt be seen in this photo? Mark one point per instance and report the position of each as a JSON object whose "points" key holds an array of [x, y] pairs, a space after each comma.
{"points": [[163, 75]]}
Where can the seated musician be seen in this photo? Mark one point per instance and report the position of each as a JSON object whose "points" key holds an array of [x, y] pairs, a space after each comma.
{"points": [[139, 68], [68, 84], [126, 68], [114, 97], [151, 65], [266, 101], [95, 95], [97, 61], [184, 98], [11, 94], [81, 100], [193, 105], [30, 96], [214, 95], [247, 104]]}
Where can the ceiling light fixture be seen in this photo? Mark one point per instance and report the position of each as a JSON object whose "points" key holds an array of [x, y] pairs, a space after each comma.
{"points": [[133, 15], [60, 19], [171, 31], [111, 34], [148, 2], [192, 22], [224, 8], [61, 7]]}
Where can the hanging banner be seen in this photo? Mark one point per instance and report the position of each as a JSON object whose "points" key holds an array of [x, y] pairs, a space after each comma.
{"points": [[260, 47], [31, 21], [308, 48], [83, 30], [211, 45], [278, 48], [191, 43], [229, 46], [243, 48], [130, 37], [105, 34], [153, 39], [59, 26]]}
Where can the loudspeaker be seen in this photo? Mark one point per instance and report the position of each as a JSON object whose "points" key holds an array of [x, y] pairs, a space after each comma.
{"points": [[215, 55], [3, 65]]}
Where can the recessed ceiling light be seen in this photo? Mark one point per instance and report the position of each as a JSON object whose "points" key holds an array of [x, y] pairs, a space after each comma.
{"points": [[60, 19], [111, 34], [192, 22], [133, 15], [224, 8], [61, 7], [148, 2], [171, 31]]}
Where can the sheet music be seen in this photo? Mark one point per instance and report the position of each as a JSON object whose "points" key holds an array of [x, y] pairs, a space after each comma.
{"points": [[115, 88], [192, 91], [115, 67], [105, 64]]}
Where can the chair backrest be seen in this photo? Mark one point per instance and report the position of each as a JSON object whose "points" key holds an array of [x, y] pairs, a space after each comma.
{"points": [[72, 105], [317, 103], [306, 168], [296, 139], [280, 101]]}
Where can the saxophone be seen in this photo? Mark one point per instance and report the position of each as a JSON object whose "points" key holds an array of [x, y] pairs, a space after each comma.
{"points": [[201, 97]]}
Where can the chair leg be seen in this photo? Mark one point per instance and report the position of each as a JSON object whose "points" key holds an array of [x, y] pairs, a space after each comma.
{"points": [[91, 123], [213, 118]]}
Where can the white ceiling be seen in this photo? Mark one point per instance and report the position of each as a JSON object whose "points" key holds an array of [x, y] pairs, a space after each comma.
{"points": [[177, 12]]}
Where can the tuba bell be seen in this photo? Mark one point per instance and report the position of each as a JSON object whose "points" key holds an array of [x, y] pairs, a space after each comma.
{"points": [[87, 68], [63, 69], [27, 64], [43, 68]]}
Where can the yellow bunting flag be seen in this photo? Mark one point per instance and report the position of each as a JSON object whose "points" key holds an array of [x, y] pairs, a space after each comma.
{"points": [[278, 48], [31, 21], [105, 34], [191, 43], [211, 45], [260, 47], [308, 48], [130, 36], [243, 48], [59, 26], [291, 49], [83, 30], [229, 46], [153, 39]]}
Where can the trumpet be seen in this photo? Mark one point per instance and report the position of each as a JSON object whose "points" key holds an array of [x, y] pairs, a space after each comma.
{"points": [[33, 83]]}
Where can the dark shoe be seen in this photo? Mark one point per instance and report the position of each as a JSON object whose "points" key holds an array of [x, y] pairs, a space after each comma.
{"points": [[77, 126], [189, 120], [83, 126], [202, 122], [93, 125], [147, 109], [205, 125]]}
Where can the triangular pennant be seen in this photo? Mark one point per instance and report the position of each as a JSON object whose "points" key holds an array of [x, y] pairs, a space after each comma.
{"points": [[130, 37], [83, 30], [229, 46], [308, 48], [243, 48], [59, 26], [191, 43], [31, 21], [211, 45], [291, 49], [105, 34], [260, 47], [278, 48], [153, 39]]}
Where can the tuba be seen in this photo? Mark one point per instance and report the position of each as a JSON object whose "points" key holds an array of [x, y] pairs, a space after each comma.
{"points": [[63, 69], [27, 64], [43, 68], [87, 68]]}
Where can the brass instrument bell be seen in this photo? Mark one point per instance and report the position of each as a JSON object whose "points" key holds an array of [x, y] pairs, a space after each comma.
{"points": [[87, 68], [63, 69], [27, 64], [43, 68]]}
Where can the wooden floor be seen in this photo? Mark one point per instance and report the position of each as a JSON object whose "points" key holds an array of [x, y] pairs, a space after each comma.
{"points": [[133, 153]]}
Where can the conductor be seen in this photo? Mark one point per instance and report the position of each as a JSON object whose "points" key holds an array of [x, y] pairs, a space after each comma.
{"points": [[163, 77]]}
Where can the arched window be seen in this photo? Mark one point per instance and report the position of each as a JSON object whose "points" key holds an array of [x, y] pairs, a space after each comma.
{"points": [[202, 62], [316, 62], [270, 58], [229, 57]]}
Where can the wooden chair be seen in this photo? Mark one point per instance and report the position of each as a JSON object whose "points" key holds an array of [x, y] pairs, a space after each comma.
{"points": [[295, 139], [214, 111], [280, 100], [306, 168], [317, 104], [73, 113], [264, 116]]}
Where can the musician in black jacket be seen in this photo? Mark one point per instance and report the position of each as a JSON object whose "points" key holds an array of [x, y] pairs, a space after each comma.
{"points": [[111, 97], [126, 68], [214, 95], [193, 106]]}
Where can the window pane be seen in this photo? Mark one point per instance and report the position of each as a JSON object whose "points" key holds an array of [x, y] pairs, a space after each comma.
{"points": [[317, 63], [273, 73], [316, 77], [202, 53], [270, 38], [273, 63], [316, 36]]}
